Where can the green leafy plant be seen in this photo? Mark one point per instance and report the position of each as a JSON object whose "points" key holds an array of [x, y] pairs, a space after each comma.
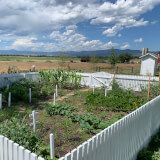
{"points": [[17, 130], [59, 109], [60, 77], [116, 100], [20, 90]]}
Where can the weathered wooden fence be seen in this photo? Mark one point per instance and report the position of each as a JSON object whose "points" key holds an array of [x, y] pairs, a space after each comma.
{"points": [[124, 139], [12, 151]]}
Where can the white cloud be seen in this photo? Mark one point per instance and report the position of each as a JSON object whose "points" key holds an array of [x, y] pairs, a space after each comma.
{"points": [[23, 17], [119, 35], [110, 44], [112, 31], [138, 40], [154, 22], [125, 46], [57, 20], [124, 13], [60, 41]]}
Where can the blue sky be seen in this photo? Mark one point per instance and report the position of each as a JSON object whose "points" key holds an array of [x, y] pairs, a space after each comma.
{"points": [[61, 25]]}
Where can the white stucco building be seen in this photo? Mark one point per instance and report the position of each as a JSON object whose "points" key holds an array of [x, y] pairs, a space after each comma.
{"points": [[148, 64]]}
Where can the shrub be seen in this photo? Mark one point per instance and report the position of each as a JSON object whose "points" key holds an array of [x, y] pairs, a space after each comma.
{"points": [[20, 91], [145, 154]]}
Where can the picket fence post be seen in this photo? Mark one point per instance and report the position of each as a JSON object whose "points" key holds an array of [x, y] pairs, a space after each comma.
{"points": [[54, 99], [52, 154], [30, 95], [56, 90], [0, 101], [9, 99], [105, 92]]}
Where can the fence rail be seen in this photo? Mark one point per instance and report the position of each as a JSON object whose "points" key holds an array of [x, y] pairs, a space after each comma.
{"points": [[12, 151]]}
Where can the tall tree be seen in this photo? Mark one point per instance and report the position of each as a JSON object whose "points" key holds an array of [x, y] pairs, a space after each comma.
{"points": [[113, 58], [125, 57]]}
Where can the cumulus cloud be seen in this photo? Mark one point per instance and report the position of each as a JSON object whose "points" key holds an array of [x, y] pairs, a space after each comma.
{"points": [[25, 17], [60, 41], [123, 14], [138, 40], [33, 18], [125, 46]]}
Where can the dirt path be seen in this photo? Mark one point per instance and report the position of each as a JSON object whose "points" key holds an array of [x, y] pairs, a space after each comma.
{"points": [[71, 94]]}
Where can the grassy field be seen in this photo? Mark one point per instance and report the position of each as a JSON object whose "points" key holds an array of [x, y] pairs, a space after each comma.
{"points": [[24, 63]]}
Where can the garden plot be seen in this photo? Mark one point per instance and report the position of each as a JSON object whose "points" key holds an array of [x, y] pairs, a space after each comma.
{"points": [[77, 115]]}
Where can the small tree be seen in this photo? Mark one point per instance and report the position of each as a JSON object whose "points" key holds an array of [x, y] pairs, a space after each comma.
{"points": [[94, 59], [125, 57], [63, 60], [113, 58]]}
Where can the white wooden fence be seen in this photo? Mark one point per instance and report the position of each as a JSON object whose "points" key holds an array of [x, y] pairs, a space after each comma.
{"points": [[12, 151], [124, 139], [100, 79], [7, 79], [120, 141]]}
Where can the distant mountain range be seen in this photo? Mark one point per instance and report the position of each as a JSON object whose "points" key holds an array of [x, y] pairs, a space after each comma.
{"points": [[71, 53]]}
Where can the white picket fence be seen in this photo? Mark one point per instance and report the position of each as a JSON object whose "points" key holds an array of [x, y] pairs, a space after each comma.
{"points": [[12, 151], [124, 139], [7, 79], [100, 79], [120, 141]]}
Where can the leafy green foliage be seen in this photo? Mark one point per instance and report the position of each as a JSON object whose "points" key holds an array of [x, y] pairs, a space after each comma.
{"points": [[62, 109], [113, 58], [20, 91], [116, 100], [18, 131], [125, 57], [154, 91], [46, 90], [152, 152], [62, 78], [89, 122]]}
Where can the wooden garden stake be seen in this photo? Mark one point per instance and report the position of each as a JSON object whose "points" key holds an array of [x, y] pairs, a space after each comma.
{"points": [[30, 95], [52, 154], [56, 90], [9, 99], [105, 92], [34, 120], [54, 99], [93, 89], [114, 75], [0, 101], [149, 86]]}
